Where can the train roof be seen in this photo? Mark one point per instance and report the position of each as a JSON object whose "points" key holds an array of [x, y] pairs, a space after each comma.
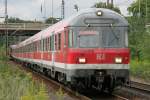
{"points": [[75, 20]]}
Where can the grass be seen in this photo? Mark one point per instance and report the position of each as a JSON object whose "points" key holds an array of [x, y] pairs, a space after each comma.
{"points": [[140, 69], [60, 94], [15, 84]]}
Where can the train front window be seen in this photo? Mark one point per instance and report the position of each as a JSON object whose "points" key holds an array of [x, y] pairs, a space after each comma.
{"points": [[88, 39], [97, 37], [113, 37]]}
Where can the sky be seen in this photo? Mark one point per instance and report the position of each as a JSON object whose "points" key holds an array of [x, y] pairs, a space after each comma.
{"points": [[31, 9]]}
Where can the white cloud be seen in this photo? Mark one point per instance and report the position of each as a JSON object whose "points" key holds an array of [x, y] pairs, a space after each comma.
{"points": [[31, 9]]}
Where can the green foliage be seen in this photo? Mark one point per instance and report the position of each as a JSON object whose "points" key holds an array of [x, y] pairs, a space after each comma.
{"points": [[51, 20], [18, 20], [15, 83], [138, 36], [3, 56], [138, 8], [34, 95], [109, 6], [140, 69], [145, 47], [60, 94]]}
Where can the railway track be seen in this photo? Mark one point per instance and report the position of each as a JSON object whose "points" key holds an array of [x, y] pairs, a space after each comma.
{"points": [[135, 91], [139, 86], [120, 97]]}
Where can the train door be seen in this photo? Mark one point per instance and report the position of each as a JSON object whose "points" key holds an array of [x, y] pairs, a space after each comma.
{"points": [[64, 48]]}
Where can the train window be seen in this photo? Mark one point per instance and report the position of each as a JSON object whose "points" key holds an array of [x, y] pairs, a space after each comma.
{"points": [[39, 46], [52, 42], [65, 32], [59, 41], [47, 44], [45, 48], [55, 42], [70, 38], [29, 47], [32, 47], [43, 44], [88, 39], [34, 44], [112, 38]]}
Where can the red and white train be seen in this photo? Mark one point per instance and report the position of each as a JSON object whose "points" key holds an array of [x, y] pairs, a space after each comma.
{"points": [[89, 49]]}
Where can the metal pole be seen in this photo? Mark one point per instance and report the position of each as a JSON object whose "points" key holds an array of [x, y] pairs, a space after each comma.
{"points": [[63, 9], [52, 13], [6, 30], [44, 10]]}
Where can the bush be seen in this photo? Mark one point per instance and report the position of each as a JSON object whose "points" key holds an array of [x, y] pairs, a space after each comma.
{"points": [[15, 84], [140, 69]]}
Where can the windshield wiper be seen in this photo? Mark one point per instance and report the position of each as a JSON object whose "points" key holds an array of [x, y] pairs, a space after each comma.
{"points": [[116, 37]]}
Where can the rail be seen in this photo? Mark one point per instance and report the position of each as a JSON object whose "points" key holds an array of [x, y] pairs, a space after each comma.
{"points": [[141, 86]]}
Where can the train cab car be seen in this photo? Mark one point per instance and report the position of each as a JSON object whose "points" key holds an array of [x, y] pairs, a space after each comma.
{"points": [[90, 49], [98, 49]]}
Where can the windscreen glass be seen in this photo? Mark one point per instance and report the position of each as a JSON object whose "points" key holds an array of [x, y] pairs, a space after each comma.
{"points": [[97, 37]]}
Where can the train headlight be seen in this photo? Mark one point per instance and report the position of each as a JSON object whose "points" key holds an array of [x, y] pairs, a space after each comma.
{"points": [[82, 60], [99, 13], [118, 60]]}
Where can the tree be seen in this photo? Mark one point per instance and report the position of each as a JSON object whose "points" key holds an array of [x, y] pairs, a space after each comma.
{"points": [[14, 20], [138, 37], [51, 20], [140, 8], [109, 6], [18, 20]]}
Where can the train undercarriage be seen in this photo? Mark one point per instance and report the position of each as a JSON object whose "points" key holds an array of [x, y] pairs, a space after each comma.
{"points": [[102, 80]]}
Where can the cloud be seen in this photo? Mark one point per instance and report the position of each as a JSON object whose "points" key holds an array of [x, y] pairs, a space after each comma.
{"points": [[31, 9]]}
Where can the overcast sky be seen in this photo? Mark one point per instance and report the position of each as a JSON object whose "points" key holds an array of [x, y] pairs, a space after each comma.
{"points": [[31, 9]]}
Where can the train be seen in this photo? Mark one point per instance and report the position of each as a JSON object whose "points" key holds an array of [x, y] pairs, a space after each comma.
{"points": [[87, 50]]}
